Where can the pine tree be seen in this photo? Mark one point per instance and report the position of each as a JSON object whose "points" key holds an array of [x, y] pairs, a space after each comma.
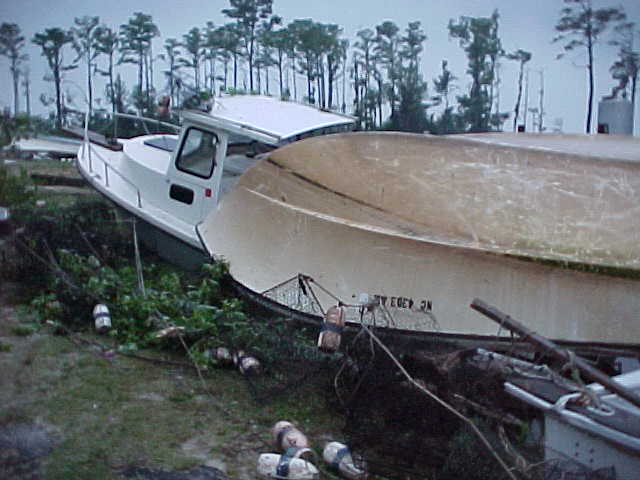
{"points": [[11, 43], [581, 26], [52, 42]]}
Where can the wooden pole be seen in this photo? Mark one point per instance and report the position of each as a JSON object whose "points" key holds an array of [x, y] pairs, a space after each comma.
{"points": [[548, 346]]}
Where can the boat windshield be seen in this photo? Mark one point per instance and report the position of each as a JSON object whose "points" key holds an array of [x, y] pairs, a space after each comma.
{"points": [[198, 153]]}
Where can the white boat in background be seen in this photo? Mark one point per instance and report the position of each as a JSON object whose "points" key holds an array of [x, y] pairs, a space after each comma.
{"points": [[52, 146], [546, 226]]}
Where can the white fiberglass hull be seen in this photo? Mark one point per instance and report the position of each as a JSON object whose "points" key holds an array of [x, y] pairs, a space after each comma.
{"points": [[429, 223]]}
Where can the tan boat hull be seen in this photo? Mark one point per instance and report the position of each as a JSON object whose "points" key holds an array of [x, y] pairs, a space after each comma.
{"points": [[428, 224]]}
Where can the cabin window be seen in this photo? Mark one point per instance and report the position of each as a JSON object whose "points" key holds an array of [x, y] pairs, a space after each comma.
{"points": [[198, 153]]}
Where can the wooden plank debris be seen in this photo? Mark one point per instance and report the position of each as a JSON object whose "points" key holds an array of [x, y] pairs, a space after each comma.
{"points": [[550, 348]]}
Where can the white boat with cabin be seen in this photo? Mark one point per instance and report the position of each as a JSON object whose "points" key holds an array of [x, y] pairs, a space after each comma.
{"points": [[546, 226]]}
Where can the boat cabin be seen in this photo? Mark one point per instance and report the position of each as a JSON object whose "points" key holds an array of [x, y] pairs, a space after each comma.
{"points": [[172, 181]]}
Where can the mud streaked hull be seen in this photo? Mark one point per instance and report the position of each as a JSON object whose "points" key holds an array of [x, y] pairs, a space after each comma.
{"points": [[427, 224]]}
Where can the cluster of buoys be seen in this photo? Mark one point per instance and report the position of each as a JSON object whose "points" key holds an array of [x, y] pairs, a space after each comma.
{"points": [[247, 364], [294, 461]]}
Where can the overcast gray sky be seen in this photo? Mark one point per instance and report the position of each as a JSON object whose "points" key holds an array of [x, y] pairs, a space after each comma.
{"points": [[523, 24]]}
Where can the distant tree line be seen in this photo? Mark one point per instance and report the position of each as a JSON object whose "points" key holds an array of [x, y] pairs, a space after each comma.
{"points": [[377, 79]]}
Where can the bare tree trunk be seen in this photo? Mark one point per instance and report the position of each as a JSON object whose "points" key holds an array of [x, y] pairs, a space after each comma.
{"points": [[330, 81], [57, 80], [591, 83], [27, 92], [280, 76], [89, 81], [250, 58], [295, 84], [151, 66], [323, 93], [516, 110], [16, 81], [213, 75], [146, 78], [259, 76], [226, 67], [356, 91], [235, 71]]}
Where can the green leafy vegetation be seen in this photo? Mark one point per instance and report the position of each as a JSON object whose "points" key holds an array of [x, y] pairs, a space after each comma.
{"points": [[15, 190], [112, 411], [201, 310]]}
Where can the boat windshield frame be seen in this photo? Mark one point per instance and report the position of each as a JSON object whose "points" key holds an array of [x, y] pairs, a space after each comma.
{"points": [[180, 155]]}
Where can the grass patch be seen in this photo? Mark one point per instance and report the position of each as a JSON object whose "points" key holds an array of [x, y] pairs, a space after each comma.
{"points": [[112, 413], [5, 347], [23, 330]]}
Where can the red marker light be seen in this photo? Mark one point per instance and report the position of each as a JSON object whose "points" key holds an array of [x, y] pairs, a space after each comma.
{"points": [[207, 192]]}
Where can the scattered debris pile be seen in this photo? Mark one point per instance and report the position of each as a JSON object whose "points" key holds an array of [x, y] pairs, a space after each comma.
{"points": [[402, 432]]}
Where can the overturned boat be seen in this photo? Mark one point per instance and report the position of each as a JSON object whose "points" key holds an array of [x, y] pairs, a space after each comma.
{"points": [[547, 226]]}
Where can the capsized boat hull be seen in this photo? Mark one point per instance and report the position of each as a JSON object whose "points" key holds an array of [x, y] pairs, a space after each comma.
{"points": [[427, 224]]}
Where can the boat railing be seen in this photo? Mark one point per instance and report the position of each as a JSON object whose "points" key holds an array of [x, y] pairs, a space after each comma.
{"points": [[91, 151], [145, 121], [107, 166]]}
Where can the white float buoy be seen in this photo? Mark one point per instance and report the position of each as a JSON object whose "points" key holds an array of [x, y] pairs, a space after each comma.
{"points": [[247, 364], [287, 435], [338, 456], [221, 355], [101, 318], [331, 330], [273, 465]]}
